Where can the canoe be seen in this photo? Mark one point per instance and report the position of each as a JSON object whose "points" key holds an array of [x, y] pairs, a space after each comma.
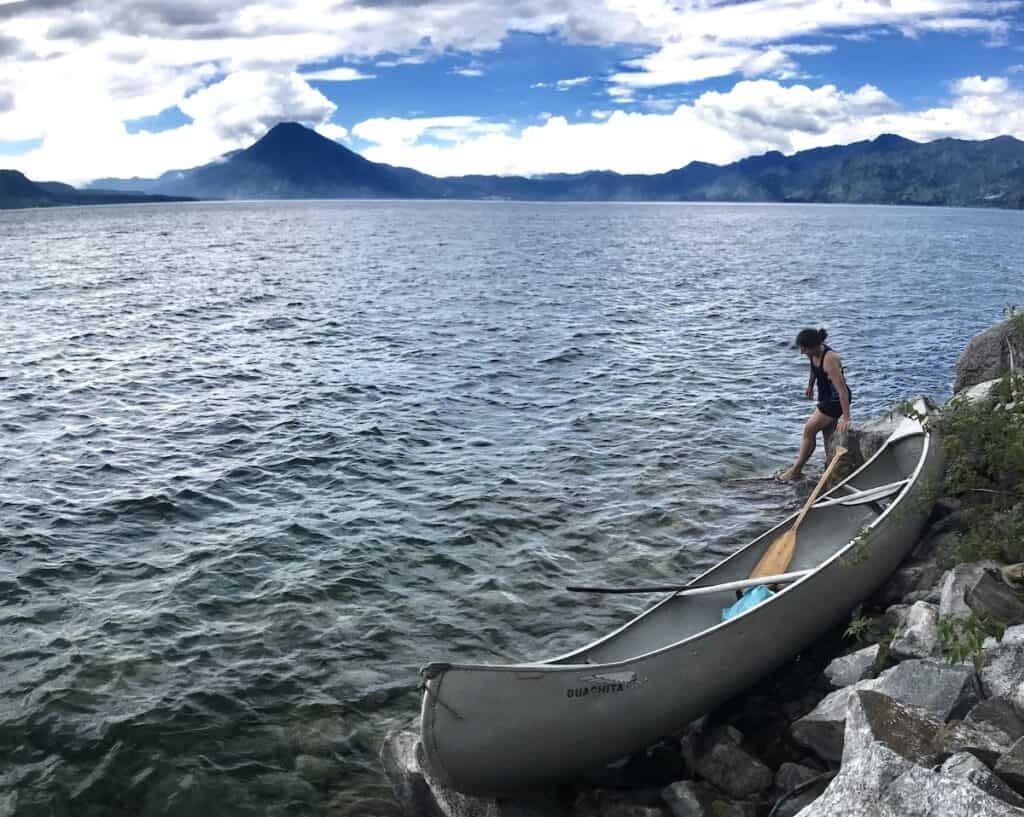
{"points": [[500, 729]]}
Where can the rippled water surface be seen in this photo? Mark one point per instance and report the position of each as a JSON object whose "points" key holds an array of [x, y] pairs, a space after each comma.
{"points": [[260, 462]]}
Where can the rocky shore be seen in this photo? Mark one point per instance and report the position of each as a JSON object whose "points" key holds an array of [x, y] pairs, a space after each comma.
{"points": [[915, 709]]}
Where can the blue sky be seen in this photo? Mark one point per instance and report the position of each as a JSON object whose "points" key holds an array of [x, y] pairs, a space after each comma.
{"points": [[90, 88]]}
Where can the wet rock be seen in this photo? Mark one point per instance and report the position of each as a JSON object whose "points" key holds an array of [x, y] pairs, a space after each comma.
{"points": [[938, 688], [1000, 713], [987, 356], [316, 770], [887, 746], [918, 635], [322, 736], [283, 785], [967, 767], [724, 763], [851, 668], [419, 794], [690, 799]]}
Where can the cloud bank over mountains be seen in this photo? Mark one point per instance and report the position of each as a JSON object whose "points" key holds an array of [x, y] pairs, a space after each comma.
{"points": [[74, 72]]}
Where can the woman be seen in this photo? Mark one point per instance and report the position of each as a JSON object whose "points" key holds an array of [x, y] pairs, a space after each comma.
{"points": [[833, 396]]}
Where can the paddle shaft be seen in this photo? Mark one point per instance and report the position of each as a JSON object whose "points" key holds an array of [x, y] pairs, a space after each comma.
{"points": [[686, 590], [778, 555]]}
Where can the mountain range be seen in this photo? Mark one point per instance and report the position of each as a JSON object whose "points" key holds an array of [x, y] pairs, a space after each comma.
{"points": [[292, 162], [18, 191]]}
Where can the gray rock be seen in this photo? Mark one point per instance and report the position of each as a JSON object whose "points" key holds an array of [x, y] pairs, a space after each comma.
{"points": [[983, 740], [607, 803], [690, 799], [283, 785], [909, 579], [1002, 670], [918, 635], [967, 767], [419, 794], [852, 668], [1000, 713], [957, 584], [685, 799], [938, 688], [881, 776], [987, 356], [1010, 767], [725, 764], [317, 770], [791, 775]]}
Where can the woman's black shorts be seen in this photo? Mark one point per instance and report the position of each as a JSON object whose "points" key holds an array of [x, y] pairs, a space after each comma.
{"points": [[833, 408]]}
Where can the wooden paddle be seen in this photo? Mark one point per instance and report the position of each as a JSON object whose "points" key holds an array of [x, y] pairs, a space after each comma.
{"points": [[776, 559]]}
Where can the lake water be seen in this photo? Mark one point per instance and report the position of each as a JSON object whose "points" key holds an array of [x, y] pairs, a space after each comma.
{"points": [[260, 462]]}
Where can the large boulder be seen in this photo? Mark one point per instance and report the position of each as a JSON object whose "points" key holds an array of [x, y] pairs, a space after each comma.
{"points": [[884, 773], [967, 767], [987, 355], [863, 440], [934, 686], [979, 588]]}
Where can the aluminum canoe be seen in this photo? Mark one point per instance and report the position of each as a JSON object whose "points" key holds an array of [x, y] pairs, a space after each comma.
{"points": [[500, 729]]}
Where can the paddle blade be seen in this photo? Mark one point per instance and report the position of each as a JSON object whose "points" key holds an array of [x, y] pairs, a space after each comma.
{"points": [[778, 556]]}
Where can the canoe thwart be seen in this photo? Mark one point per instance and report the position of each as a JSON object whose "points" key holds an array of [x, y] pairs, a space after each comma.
{"points": [[858, 497]]}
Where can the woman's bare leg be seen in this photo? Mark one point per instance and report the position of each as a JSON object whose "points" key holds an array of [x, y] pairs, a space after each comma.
{"points": [[818, 421]]}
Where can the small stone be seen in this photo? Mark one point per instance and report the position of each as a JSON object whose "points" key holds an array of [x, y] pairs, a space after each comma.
{"points": [[728, 766], [852, 668]]}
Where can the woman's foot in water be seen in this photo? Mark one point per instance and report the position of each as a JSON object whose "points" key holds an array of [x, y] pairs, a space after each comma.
{"points": [[789, 475]]}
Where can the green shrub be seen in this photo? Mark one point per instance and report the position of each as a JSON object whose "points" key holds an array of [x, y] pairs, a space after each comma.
{"points": [[984, 446], [964, 638]]}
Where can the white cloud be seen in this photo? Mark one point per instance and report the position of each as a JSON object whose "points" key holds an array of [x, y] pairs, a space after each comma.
{"points": [[566, 84], [754, 117], [332, 131], [469, 72], [394, 133], [88, 138], [978, 86], [246, 104], [338, 75]]}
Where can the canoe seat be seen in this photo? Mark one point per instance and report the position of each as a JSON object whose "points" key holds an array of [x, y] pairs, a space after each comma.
{"points": [[863, 497]]}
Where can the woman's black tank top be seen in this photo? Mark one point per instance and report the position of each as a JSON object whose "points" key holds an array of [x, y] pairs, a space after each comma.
{"points": [[827, 392]]}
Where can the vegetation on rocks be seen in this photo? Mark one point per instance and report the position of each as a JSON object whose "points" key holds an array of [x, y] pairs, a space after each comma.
{"points": [[963, 639], [984, 444]]}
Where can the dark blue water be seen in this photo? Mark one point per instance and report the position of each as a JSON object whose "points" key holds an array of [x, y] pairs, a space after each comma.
{"points": [[260, 462]]}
